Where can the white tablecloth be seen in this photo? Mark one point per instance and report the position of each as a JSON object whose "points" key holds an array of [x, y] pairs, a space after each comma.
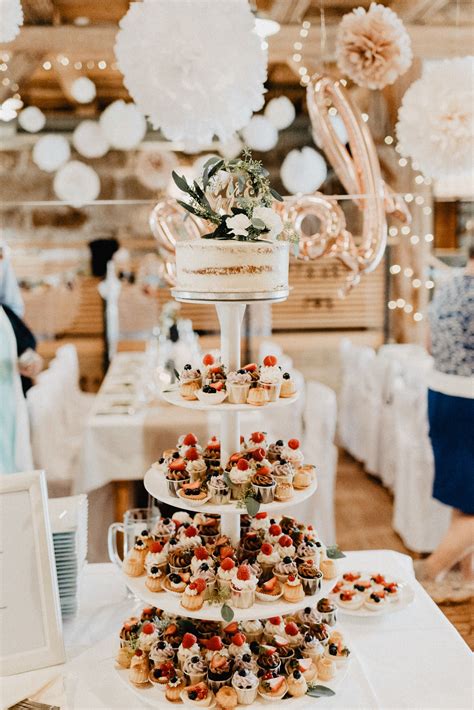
{"points": [[411, 659]]}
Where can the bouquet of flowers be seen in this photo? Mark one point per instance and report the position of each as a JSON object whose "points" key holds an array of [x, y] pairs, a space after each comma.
{"points": [[235, 196]]}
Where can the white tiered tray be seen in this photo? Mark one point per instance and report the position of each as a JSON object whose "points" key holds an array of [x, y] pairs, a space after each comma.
{"points": [[170, 603], [155, 484], [173, 397], [228, 297]]}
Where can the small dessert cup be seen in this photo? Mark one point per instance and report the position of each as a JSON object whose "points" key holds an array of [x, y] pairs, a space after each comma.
{"points": [[242, 598], [264, 493], [272, 389], [188, 390], [237, 393]]}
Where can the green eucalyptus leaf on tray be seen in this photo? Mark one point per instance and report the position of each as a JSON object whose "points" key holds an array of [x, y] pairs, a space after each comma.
{"points": [[252, 505], [334, 552], [227, 613], [320, 691]]}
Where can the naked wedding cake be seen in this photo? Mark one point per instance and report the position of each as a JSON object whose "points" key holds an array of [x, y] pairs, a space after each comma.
{"points": [[230, 266], [248, 249]]}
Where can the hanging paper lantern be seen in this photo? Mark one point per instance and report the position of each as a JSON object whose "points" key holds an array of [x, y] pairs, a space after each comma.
{"points": [[123, 125], [303, 171], [280, 112], [76, 183], [50, 152], [32, 119], [174, 72], [260, 134], [83, 90], [154, 168], [11, 19], [89, 140]]}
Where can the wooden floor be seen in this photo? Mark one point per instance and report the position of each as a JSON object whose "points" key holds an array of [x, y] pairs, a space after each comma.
{"points": [[363, 516]]}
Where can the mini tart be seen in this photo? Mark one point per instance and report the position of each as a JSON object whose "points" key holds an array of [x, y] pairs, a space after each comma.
{"points": [[133, 564], [273, 688], [188, 390], [257, 396], [171, 583], [124, 656], [288, 387], [350, 599], [226, 698], [194, 493], [139, 669], [204, 695], [375, 600], [284, 491], [154, 580], [336, 651], [326, 668], [392, 591], [297, 685], [328, 568], [269, 591], [305, 666], [293, 590], [174, 687]]}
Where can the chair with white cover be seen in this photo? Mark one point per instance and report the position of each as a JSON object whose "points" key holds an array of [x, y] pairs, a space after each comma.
{"points": [[420, 520], [320, 418]]}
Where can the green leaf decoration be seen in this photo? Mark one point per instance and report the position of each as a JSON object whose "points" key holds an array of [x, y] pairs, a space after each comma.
{"points": [[210, 161], [188, 207], [215, 168], [276, 195], [180, 182], [227, 613], [334, 553], [320, 691], [252, 505], [258, 223], [176, 373]]}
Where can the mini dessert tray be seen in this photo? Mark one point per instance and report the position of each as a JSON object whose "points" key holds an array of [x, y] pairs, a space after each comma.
{"points": [[367, 594], [287, 659]]}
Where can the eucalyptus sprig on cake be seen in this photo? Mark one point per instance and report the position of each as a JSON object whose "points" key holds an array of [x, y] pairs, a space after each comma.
{"points": [[235, 196]]}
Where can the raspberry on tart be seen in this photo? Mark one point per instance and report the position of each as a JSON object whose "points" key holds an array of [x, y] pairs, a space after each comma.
{"points": [[270, 361], [293, 444], [208, 359], [190, 439]]}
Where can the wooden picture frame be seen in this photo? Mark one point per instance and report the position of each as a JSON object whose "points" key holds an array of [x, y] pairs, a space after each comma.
{"points": [[30, 613]]}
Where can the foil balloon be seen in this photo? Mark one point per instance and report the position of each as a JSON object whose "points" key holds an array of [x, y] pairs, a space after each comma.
{"points": [[358, 170]]}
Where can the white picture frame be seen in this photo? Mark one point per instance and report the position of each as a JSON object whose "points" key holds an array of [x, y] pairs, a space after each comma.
{"points": [[30, 613]]}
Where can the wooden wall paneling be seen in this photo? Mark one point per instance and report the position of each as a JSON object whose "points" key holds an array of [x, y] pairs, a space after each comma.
{"points": [[445, 225]]}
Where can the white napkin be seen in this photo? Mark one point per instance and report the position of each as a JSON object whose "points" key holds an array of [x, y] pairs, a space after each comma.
{"points": [[15, 688]]}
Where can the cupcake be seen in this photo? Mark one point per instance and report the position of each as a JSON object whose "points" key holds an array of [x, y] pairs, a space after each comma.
{"points": [[327, 611], [273, 534], [139, 669], [268, 557], [311, 647], [190, 381], [245, 684], [274, 451], [292, 453], [310, 578], [161, 652], [328, 568], [194, 669], [174, 687], [288, 387], [209, 530], [293, 634], [257, 396], [285, 547], [321, 632], [270, 380], [206, 573], [243, 587], [239, 476], [134, 563], [193, 595], [253, 630], [164, 529], [283, 470], [304, 476], [284, 491], [219, 671], [283, 648], [308, 617], [124, 656], [239, 645], [157, 555], [246, 662], [176, 479], [225, 573], [188, 647], [226, 698], [274, 626], [293, 589], [257, 438], [263, 485], [214, 371], [250, 545], [297, 684], [284, 568], [238, 386], [154, 579], [308, 551], [218, 489], [268, 659], [195, 465]]}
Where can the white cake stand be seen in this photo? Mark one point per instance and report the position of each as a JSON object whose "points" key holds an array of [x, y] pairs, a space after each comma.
{"points": [[230, 311]]}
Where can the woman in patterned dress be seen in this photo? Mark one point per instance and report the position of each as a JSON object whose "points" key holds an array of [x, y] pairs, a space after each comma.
{"points": [[451, 420]]}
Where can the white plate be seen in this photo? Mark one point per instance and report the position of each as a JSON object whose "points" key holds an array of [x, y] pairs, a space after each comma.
{"points": [[406, 597], [155, 483]]}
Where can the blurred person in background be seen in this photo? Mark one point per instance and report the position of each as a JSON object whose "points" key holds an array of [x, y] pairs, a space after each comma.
{"points": [[451, 421], [15, 447]]}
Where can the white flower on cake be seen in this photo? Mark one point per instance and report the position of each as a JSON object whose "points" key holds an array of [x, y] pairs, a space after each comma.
{"points": [[238, 225], [270, 219]]}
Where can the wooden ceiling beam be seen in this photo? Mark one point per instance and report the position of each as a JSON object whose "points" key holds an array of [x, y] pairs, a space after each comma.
{"points": [[94, 42]]}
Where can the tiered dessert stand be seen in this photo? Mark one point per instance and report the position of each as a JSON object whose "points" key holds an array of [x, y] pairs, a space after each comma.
{"points": [[230, 311]]}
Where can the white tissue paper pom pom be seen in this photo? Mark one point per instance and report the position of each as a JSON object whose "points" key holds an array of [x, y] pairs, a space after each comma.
{"points": [[436, 119], [76, 183], [123, 125], [154, 167], [260, 134], [83, 90], [195, 69], [231, 148], [280, 112], [89, 140], [32, 119], [11, 19], [303, 171], [50, 152]]}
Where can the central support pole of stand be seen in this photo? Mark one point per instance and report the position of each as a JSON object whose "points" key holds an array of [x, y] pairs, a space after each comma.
{"points": [[230, 318]]}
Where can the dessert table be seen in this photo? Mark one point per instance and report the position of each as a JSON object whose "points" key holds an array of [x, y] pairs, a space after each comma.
{"points": [[411, 658]]}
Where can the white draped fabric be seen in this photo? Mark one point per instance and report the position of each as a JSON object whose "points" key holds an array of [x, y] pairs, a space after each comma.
{"points": [[383, 423]]}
